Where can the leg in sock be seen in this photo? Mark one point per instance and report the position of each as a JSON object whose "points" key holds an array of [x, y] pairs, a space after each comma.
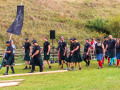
{"points": [[111, 60], [88, 62], [114, 61], [12, 69], [117, 62], [108, 60], [103, 60], [7, 69]]}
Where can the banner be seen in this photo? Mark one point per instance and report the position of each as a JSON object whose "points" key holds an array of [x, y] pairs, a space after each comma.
{"points": [[16, 27]]}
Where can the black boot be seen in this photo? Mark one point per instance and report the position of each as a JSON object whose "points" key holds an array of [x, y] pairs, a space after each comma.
{"points": [[88, 63], [61, 67], [25, 68], [41, 68], [29, 68], [6, 71], [79, 68]]}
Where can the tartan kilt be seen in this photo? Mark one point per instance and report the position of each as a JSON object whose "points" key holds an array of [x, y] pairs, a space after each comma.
{"points": [[27, 57], [111, 54], [85, 56], [69, 58], [36, 61], [46, 57]]}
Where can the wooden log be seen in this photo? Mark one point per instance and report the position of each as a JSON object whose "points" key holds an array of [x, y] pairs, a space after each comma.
{"points": [[17, 80], [38, 73], [9, 84]]}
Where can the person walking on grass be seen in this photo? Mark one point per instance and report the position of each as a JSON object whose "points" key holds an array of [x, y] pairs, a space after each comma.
{"points": [[76, 56], [63, 51], [9, 57], [27, 48], [117, 50], [111, 49], [105, 43], [86, 54], [46, 49], [72, 47], [12, 43], [99, 49], [36, 57]]}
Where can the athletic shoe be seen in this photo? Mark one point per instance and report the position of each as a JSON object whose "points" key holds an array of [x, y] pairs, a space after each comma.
{"points": [[50, 67], [99, 67], [32, 71], [114, 64], [5, 74], [75, 69], [13, 72], [102, 62], [67, 68], [25, 68], [110, 65]]}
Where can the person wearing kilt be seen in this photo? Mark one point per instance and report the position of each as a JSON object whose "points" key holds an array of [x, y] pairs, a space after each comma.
{"points": [[27, 48], [99, 49], [86, 54], [9, 58], [63, 51], [111, 49], [105, 43], [72, 46], [76, 56], [118, 51], [36, 57], [46, 49]]}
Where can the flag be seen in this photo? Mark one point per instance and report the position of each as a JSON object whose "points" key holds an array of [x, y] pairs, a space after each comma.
{"points": [[16, 27]]}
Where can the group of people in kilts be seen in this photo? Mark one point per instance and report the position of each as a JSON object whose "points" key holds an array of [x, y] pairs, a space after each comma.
{"points": [[109, 49]]}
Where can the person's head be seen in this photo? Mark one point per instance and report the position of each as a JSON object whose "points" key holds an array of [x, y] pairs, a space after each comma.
{"points": [[93, 39], [110, 36], [71, 40], [62, 38], [35, 43], [45, 39], [98, 40], [75, 40], [26, 39], [7, 43], [105, 38], [12, 42], [87, 40]]}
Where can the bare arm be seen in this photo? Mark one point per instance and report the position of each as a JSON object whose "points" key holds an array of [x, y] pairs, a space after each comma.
{"points": [[75, 49], [48, 49], [30, 50], [88, 50], [65, 50], [103, 49], [35, 53]]}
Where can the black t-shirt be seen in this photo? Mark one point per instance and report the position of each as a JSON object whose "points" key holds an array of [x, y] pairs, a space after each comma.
{"points": [[35, 48], [77, 51], [86, 46], [62, 46], [98, 48], [117, 48], [111, 45], [27, 45], [72, 46], [9, 48], [105, 43], [45, 45]]}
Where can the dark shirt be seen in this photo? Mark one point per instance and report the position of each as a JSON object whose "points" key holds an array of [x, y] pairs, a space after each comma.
{"points": [[45, 45], [77, 51], [9, 48], [62, 46], [35, 48], [111, 45], [98, 48], [117, 49], [105, 43], [27, 45], [86, 47], [72, 46]]}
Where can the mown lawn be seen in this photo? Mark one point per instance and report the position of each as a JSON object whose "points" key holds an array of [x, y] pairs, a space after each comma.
{"points": [[90, 78]]}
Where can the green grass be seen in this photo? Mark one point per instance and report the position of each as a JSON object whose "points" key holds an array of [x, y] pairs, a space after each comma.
{"points": [[88, 79]]}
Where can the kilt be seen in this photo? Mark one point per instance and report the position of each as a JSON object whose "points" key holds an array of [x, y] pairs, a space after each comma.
{"points": [[76, 57], [111, 54], [27, 57], [99, 57], [9, 60], [62, 57], [36, 61], [85, 56], [118, 55], [46, 57], [69, 58]]}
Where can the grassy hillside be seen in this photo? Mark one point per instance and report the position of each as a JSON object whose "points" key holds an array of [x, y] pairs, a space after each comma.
{"points": [[67, 17]]}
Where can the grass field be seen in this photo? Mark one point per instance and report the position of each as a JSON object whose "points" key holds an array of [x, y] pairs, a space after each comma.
{"points": [[88, 79]]}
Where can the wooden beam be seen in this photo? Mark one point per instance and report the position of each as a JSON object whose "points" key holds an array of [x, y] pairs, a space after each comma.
{"points": [[9, 84], [38, 73], [17, 80]]}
